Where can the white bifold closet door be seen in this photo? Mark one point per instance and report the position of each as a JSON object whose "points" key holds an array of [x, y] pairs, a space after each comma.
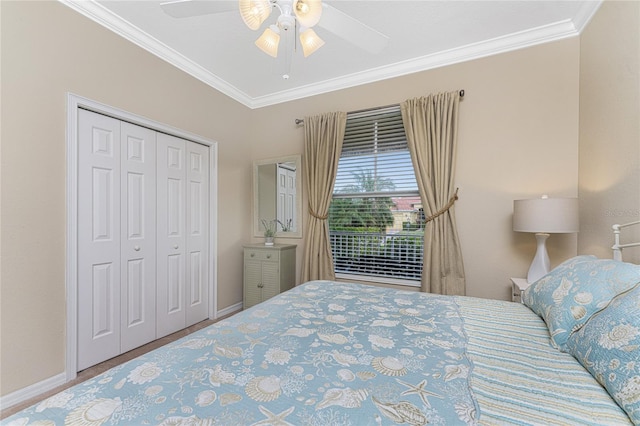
{"points": [[142, 235], [183, 199]]}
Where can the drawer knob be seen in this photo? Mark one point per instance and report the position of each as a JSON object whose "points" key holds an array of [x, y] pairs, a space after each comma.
{"points": [[175, 247], [136, 248], [252, 254], [268, 256]]}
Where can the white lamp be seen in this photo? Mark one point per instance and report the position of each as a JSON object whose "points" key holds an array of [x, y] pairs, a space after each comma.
{"points": [[254, 12], [293, 13], [310, 41], [308, 12], [544, 216], [269, 40]]}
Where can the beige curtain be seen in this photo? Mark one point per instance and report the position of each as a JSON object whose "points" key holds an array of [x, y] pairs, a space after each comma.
{"points": [[323, 137], [431, 125]]}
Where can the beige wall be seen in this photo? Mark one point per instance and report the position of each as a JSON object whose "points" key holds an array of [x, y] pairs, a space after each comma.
{"points": [[518, 138], [610, 127], [47, 51]]}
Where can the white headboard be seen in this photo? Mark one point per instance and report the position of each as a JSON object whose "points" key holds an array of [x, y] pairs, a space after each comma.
{"points": [[617, 247]]}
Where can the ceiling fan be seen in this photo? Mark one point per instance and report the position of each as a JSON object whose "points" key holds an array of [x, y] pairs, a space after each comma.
{"points": [[294, 14]]}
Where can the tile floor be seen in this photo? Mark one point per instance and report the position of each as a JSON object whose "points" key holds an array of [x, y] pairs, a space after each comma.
{"points": [[102, 367]]}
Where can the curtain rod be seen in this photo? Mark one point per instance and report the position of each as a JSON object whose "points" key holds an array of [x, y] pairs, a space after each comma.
{"points": [[300, 121]]}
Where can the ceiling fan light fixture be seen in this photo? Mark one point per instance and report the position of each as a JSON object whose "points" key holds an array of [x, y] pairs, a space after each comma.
{"points": [[254, 12], [308, 12], [310, 42], [269, 40]]}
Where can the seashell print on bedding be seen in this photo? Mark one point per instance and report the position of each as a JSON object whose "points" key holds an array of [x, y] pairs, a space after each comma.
{"points": [[322, 353], [347, 398], [187, 421], [338, 339], [402, 412], [583, 298], [562, 291], [344, 359], [346, 375], [219, 376], [578, 312], [229, 398], [196, 344], [260, 313], [264, 389], [419, 328], [382, 342], [277, 356], [576, 290], [55, 401], [389, 366], [608, 346], [93, 413], [206, 397], [299, 332], [365, 375], [385, 323], [144, 373], [249, 328], [228, 352], [336, 319]]}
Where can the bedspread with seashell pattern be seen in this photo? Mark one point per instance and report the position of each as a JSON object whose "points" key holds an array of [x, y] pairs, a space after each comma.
{"points": [[323, 353]]}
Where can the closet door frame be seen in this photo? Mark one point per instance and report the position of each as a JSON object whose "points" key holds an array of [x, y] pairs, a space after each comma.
{"points": [[74, 104]]}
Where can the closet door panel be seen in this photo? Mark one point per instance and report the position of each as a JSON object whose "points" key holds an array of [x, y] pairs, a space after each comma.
{"points": [[98, 238], [171, 243], [143, 236], [138, 236], [197, 231]]}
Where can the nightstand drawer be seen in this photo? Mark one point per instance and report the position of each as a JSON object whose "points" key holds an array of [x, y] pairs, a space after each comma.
{"points": [[268, 255]]}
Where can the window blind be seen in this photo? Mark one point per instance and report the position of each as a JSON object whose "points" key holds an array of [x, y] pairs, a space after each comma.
{"points": [[375, 218], [375, 157]]}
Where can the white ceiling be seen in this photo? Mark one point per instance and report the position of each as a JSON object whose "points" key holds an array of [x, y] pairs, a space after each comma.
{"points": [[423, 34]]}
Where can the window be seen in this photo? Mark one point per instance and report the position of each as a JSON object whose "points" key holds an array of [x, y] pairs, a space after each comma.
{"points": [[376, 223]]}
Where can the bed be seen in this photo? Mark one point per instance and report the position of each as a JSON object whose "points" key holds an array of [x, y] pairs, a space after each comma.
{"points": [[330, 353]]}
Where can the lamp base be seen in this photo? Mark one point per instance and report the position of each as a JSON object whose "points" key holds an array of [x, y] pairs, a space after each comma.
{"points": [[540, 265]]}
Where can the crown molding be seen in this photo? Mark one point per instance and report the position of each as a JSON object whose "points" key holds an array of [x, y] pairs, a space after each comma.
{"points": [[514, 41], [519, 40], [103, 16], [586, 12]]}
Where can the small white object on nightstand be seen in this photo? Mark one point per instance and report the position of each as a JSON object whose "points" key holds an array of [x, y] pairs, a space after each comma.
{"points": [[518, 286]]}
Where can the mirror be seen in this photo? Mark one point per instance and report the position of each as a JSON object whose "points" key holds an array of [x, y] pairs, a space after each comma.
{"points": [[277, 196]]}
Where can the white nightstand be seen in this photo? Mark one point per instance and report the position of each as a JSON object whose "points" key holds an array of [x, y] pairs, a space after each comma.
{"points": [[268, 270], [518, 286]]}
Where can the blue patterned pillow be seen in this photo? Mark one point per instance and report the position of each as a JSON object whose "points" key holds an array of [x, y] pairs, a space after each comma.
{"points": [[609, 347], [567, 296]]}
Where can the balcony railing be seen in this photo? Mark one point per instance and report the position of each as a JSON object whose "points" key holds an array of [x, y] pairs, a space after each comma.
{"points": [[390, 255]]}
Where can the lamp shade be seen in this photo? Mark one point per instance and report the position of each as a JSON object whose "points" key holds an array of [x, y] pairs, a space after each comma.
{"points": [[546, 215], [308, 12], [269, 40], [254, 12], [310, 42]]}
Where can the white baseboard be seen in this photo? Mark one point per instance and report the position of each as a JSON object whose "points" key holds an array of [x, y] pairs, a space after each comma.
{"points": [[32, 391], [230, 310]]}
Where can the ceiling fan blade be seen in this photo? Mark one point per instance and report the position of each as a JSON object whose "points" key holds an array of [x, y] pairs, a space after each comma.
{"points": [[189, 8], [352, 30]]}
